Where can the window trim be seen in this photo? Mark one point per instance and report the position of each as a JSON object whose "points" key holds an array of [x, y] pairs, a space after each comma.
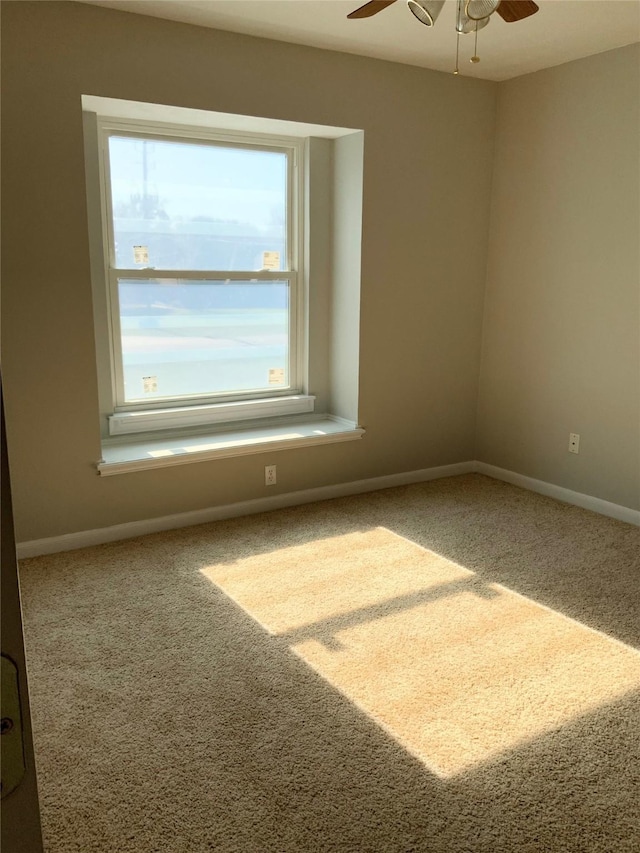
{"points": [[214, 408]]}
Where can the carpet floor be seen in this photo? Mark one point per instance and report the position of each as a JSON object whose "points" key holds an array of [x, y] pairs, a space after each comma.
{"points": [[446, 667]]}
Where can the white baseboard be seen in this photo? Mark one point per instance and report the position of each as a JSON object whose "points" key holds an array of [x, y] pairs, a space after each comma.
{"points": [[621, 513], [86, 538]]}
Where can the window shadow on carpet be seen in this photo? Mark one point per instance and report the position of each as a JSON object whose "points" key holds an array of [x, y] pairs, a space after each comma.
{"points": [[457, 670]]}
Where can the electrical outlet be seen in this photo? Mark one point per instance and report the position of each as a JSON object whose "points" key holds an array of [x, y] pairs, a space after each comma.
{"points": [[574, 442], [269, 475]]}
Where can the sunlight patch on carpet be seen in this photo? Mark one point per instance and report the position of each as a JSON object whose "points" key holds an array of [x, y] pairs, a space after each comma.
{"points": [[458, 670]]}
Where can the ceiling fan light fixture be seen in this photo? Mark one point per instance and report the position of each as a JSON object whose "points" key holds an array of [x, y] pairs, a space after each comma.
{"points": [[476, 10], [426, 11], [464, 24]]}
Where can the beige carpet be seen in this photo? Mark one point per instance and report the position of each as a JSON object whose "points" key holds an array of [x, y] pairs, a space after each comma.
{"points": [[451, 666]]}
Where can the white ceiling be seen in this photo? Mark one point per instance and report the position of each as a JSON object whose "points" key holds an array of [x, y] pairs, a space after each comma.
{"points": [[562, 30]]}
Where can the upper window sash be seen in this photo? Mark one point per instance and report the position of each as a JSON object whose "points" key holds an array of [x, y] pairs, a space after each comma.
{"points": [[289, 148]]}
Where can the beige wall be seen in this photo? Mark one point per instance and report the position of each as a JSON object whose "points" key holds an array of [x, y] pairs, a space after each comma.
{"points": [[427, 174], [561, 346]]}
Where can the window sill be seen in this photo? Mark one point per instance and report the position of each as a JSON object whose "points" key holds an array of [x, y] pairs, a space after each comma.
{"points": [[140, 454]]}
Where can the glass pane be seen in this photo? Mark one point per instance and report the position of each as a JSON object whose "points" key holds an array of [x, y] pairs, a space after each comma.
{"points": [[181, 205], [183, 338]]}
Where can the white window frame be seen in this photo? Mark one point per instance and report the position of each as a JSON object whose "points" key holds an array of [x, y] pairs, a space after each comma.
{"points": [[216, 408]]}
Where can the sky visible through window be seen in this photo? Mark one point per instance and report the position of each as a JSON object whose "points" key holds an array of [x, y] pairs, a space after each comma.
{"points": [[195, 196]]}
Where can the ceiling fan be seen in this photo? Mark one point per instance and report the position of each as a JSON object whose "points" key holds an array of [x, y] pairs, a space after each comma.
{"points": [[476, 10], [472, 15]]}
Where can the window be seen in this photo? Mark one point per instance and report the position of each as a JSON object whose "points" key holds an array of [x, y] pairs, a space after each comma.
{"points": [[225, 272], [202, 251]]}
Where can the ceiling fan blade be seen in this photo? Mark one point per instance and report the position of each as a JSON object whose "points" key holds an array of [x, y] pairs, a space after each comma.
{"points": [[515, 10], [371, 8]]}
